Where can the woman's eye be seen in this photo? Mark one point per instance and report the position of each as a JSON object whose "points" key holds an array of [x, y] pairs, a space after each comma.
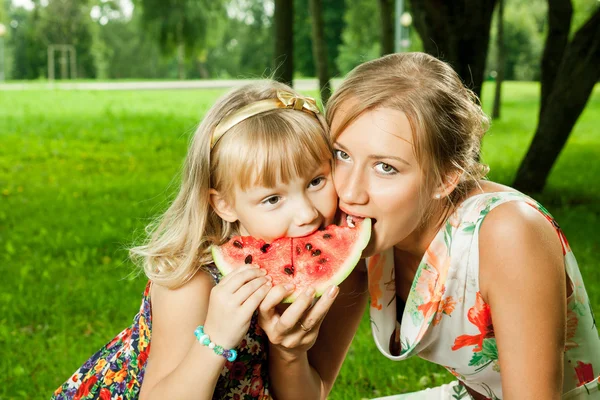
{"points": [[341, 155], [386, 169], [316, 182], [272, 200]]}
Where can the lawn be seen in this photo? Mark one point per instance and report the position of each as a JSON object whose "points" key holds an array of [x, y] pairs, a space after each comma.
{"points": [[82, 173]]}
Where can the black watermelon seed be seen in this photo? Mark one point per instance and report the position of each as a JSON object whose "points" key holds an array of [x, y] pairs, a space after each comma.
{"points": [[322, 261], [289, 270], [317, 252], [248, 259], [238, 244], [308, 246], [327, 236], [298, 250], [265, 247]]}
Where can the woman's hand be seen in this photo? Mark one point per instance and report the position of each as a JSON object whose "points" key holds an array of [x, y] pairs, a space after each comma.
{"points": [[294, 329], [232, 303]]}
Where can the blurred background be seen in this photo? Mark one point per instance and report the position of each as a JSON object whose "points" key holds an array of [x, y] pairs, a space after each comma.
{"points": [[98, 99]]}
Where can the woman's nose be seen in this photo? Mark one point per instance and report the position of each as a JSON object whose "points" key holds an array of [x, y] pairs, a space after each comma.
{"points": [[351, 187]]}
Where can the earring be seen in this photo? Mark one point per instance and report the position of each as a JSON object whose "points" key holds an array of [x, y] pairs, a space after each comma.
{"points": [[437, 196]]}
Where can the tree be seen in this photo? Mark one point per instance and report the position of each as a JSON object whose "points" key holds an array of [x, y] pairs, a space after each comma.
{"points": [[500, 64], [245, 49], [333, 23], [181, 26], [284, 41], [458, 32], [386, 10], [68, 22], [360, 39], [569, 73], [320, 49]]}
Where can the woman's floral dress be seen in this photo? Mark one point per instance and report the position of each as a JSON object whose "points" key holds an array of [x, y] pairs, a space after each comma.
{"points": [[446, 321], [116, 371]]}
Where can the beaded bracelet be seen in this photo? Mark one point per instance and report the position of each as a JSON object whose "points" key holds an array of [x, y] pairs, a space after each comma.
{"points": [[229, 354]]}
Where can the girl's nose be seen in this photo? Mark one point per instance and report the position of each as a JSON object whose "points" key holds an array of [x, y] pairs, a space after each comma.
{"points": [[306, 213]]}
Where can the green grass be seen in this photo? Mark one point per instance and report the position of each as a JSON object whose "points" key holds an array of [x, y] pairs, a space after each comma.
{"points": [[82, 173]]}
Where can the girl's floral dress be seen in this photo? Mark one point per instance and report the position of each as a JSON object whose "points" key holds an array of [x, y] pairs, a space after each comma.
{"points": [[446, 321], [116, 371]]}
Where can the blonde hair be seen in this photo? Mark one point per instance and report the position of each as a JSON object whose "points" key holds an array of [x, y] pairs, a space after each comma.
{"points": [[446, 118], [271, 147]]}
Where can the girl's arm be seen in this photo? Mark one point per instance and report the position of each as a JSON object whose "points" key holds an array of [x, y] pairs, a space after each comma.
{"points": [[304, 365], [178, 366], [522, 278]]}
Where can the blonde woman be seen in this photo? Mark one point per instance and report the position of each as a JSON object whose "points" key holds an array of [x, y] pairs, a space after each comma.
{"points": [[463, 272], [259, 164]]}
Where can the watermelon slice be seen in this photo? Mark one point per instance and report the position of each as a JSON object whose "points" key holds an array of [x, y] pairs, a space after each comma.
{"points": [[319, 260]]}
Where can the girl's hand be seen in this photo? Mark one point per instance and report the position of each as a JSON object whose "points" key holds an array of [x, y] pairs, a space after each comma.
{"points": [[232, 303], [295, 329]]}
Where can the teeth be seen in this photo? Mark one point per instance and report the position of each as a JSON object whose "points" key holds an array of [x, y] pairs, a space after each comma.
{"points": [[350, 221]]}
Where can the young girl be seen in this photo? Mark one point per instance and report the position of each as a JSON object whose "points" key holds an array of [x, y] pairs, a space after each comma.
{"points": [[259, 165], [463, 272]]}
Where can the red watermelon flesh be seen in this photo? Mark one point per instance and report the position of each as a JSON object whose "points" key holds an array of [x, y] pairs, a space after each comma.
{"points": [[319, 260]]}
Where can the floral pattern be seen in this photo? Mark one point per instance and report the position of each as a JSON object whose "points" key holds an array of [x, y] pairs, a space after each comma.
{"points": [[116, 371], [446, 320]]}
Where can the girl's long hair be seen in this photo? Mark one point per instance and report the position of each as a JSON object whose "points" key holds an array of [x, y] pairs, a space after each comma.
{"points": [[275, 146]]}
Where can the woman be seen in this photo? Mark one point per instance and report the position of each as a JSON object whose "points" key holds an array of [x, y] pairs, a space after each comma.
{"points": [[466, 273]]}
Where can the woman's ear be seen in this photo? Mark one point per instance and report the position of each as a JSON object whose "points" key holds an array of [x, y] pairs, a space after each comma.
{"points": [[222, 207], [450, 182]]}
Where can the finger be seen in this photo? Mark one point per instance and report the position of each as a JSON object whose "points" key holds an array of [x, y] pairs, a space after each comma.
{"points": [[242, 277], [291, 317], [237, 271], [250, 287], [252, 303], [314, 317], [276, 296]]}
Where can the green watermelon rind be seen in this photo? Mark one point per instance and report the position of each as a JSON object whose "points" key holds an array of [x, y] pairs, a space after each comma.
{"points": [[349, 264], [343, 272]]}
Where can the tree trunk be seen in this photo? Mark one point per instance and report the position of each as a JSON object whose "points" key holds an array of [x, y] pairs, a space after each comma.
{"points": [[386, 8], [181, 61], [574, 80], [319, 48], [457, 32], [559, 25], [284, 41], [501, 62]]}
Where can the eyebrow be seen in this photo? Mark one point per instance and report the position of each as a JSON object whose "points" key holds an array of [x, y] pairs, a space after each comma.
{"points": [[375, 156]]}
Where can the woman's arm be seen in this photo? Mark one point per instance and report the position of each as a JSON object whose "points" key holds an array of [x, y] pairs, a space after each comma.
{"points": [[178, 366], [523, 279], [304, 365]]}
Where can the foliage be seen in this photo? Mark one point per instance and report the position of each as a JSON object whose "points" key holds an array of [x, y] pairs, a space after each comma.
{"points": [[181, 22], [81, 174], [245, 49], [333, 21]]}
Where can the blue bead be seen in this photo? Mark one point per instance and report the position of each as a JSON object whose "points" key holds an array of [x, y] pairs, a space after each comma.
{"points": [[232, 356]]}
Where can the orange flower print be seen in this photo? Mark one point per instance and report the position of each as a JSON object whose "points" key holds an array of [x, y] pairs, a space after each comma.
{"points": [[446, 307], [479, 315], [375, 270], [572, 323], [585, 373]]}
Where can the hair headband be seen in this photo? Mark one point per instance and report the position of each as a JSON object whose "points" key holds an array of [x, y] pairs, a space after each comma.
{"points": [[284, 100]]}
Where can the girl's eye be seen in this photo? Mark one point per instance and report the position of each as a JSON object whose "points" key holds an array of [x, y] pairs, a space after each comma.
{"points": [[271, 200], [385, 169], [341, 155], [316, 182]]}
